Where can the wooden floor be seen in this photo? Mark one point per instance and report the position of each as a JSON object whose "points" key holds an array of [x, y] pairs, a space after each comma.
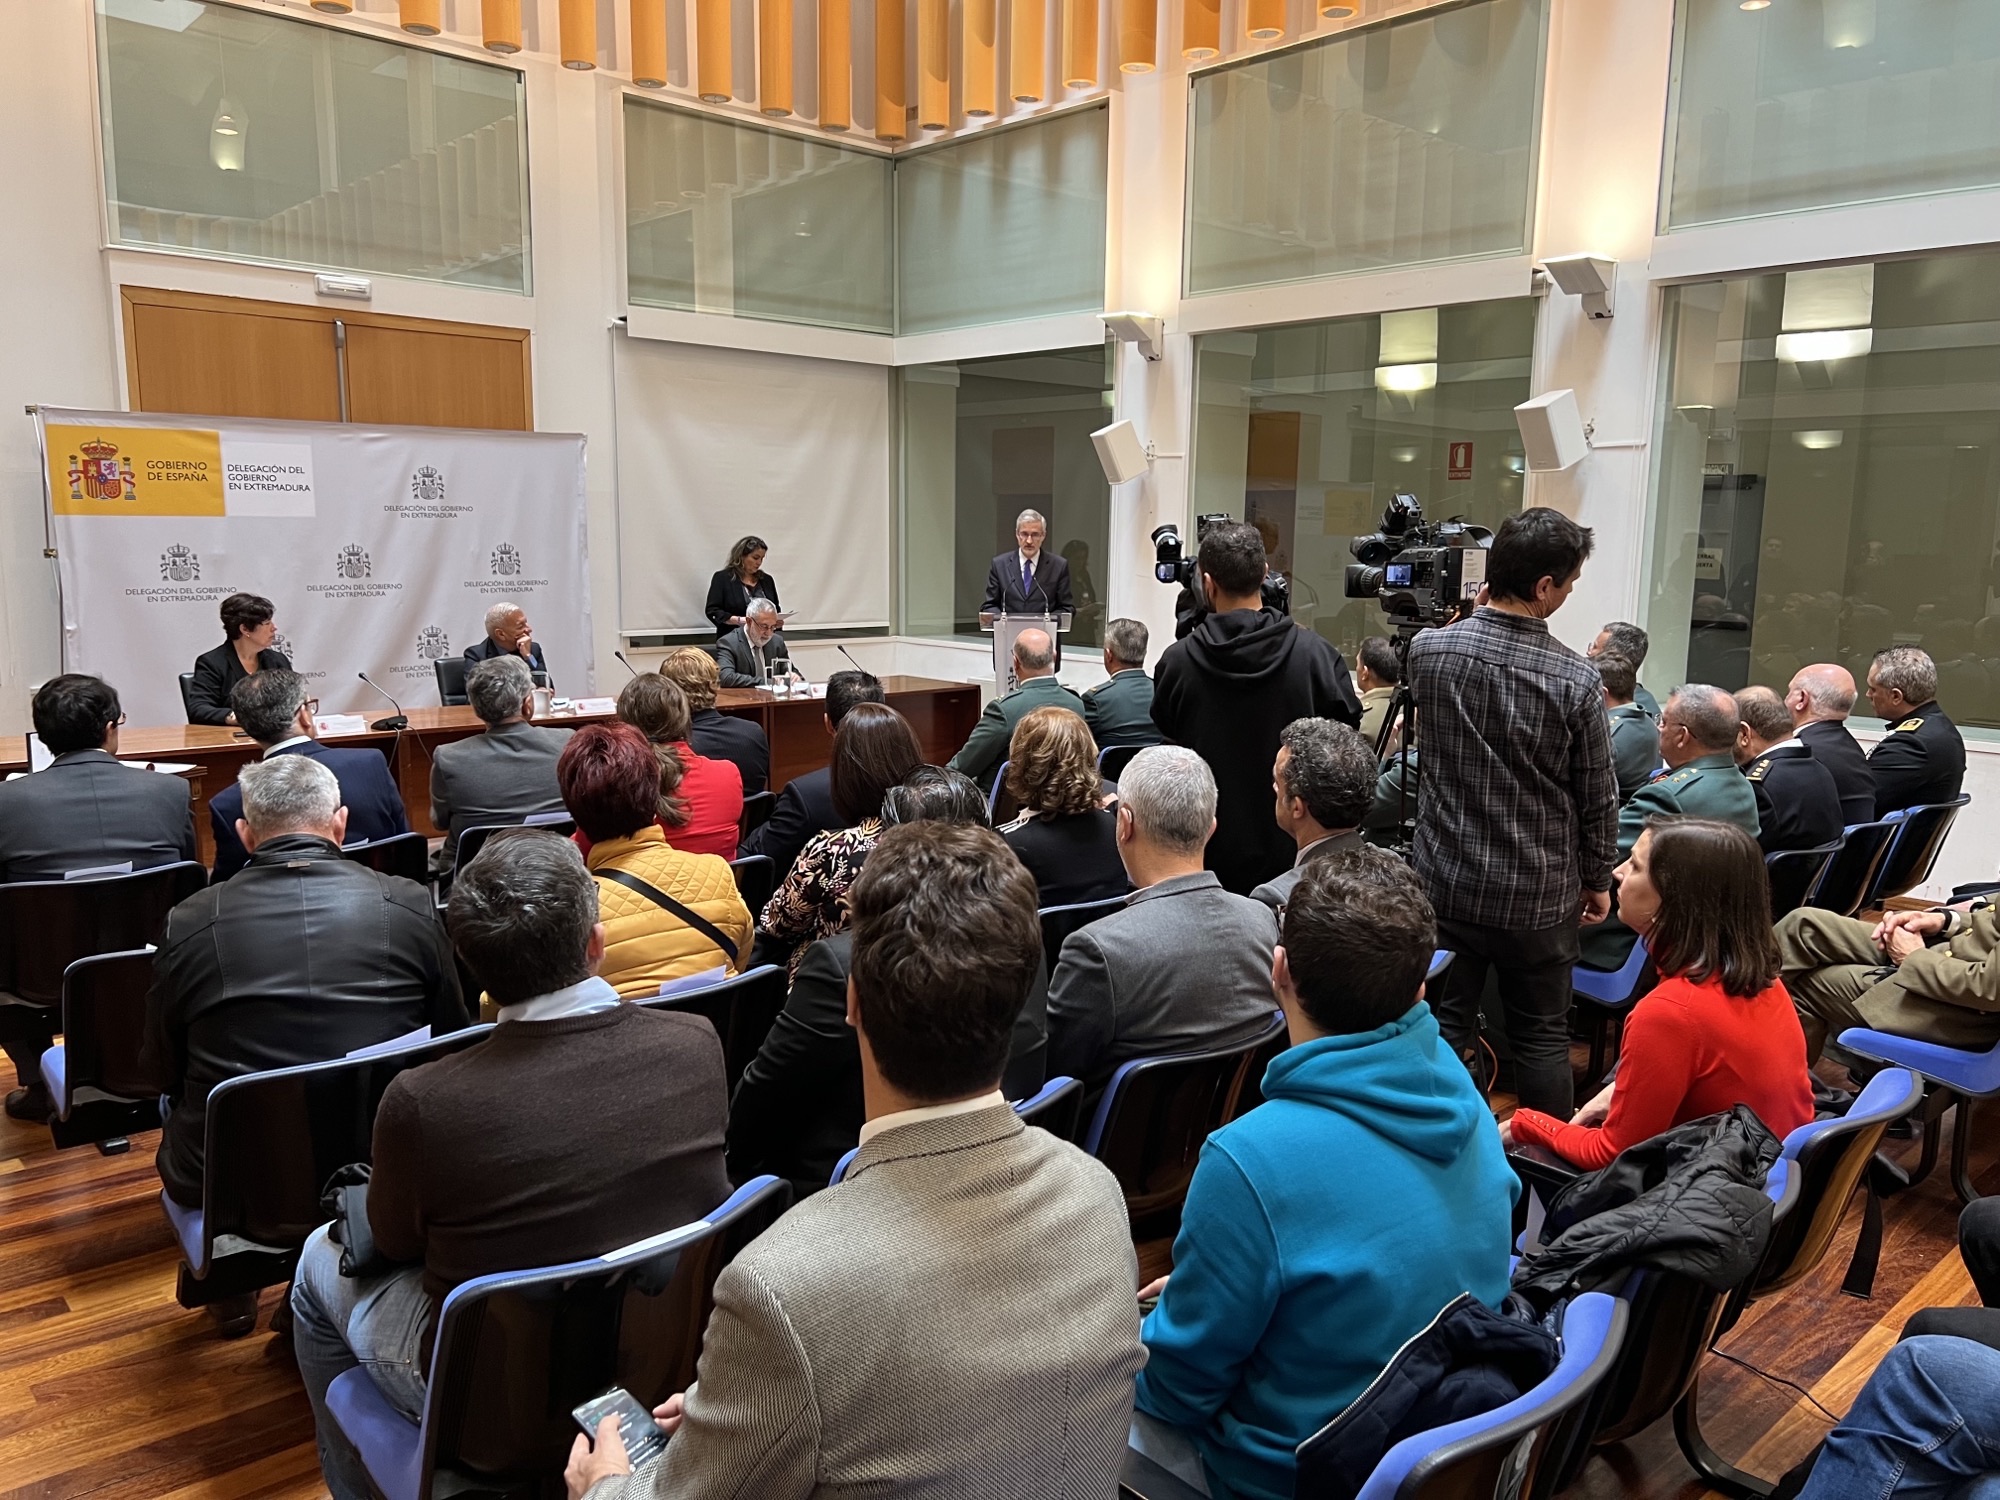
{"points": [[109, 1388]]}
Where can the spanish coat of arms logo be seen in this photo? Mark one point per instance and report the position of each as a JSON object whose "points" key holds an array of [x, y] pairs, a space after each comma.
{"points": [[433, 644], [506, 561], [179, 564], [427, 485], [352, 561]]}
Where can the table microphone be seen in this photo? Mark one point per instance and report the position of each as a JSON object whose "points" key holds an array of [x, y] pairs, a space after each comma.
{"points": [[628, 666], [850, 656], [397, 720]]}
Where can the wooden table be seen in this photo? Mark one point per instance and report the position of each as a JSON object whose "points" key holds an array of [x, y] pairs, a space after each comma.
{"points": [[942, 713]]}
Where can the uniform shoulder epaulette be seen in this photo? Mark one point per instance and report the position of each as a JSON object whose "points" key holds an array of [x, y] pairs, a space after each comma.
{"points": [[1758, 771], [1908, 724]]}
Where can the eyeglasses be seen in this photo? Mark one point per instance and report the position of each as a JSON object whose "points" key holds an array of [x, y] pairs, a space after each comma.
{"points": [[311, 706]]}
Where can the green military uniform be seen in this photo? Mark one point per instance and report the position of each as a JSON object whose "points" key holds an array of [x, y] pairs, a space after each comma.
{"points": [[986, 750], [1947, 992], [1635, 747], [1709, 786], [1120, 712], [1646, 701]]}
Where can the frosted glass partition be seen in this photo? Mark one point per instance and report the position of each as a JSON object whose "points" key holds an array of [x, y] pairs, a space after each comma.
{"points": [[754, 223], [1409, 142], [1800, 106], [246, 134], [1004, 226]]}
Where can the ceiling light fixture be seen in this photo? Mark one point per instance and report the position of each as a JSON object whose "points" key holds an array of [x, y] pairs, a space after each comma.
{"points": [[1819, 440], [1406, 380], [1825, 344]]}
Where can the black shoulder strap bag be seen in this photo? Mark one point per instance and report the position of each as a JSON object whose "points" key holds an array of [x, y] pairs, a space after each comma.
{"points": [[686, 914]]}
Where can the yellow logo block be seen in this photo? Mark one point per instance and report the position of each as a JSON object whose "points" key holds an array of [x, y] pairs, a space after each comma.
{"points": [[135, 471]]}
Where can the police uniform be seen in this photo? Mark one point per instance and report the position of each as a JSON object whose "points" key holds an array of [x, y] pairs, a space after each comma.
{"points": [[1840, 752], [1709, 786], [1798, 806], [1635, 747], [1920, 761]]}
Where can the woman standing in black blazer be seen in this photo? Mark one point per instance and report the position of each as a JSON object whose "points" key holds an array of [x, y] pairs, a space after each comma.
{"points": [[731, 590], [248, 628]]}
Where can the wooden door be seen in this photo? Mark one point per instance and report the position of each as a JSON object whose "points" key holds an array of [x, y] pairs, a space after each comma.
{"points": [[238, 357]]}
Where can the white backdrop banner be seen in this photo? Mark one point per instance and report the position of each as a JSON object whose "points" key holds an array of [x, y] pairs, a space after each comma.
{"points": [[381, 548]]}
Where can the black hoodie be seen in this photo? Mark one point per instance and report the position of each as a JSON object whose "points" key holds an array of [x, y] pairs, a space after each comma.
{"points": [[1226, 692]]}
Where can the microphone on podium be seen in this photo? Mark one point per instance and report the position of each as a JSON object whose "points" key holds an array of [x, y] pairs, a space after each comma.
{"points": [[397, 720], [628, 666]]}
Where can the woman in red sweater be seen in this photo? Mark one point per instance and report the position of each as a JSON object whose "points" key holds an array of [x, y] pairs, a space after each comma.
{"points": [[1719, 1029], [701, 800]]}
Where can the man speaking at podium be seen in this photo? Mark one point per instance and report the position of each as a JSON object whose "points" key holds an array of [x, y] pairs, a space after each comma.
{"points": [[1027, 581]]}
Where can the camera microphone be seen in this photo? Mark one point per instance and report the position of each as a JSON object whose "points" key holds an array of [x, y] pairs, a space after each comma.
{"points": [[628, 666], [397, 720]]}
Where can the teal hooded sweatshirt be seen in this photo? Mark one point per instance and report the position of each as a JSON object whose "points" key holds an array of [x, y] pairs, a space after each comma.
{"points": [[1322, 1231]]}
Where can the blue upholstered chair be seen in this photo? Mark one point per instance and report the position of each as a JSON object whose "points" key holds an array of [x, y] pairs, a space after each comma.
{"points": [[1957, 1076]]}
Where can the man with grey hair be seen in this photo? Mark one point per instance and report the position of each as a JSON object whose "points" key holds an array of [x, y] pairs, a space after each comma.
{"points": [[1632, 643], [1820, 697], [505, 775], [303, 957], [1029, 580], [273, 709], [1920, 759], [745, 654], [1120, 712], [508, 633], [1324, 779], [985, 749], [1186, 965]]}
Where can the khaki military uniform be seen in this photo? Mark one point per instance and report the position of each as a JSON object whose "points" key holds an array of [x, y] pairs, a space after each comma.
{"points": [[1947, 993]]}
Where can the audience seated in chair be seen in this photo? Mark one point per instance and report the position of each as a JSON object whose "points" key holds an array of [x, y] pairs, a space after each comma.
{"points": [[711, 732], [273, 708], [805, 806], [1186, 965], [956, 1317], [797, 1108], [666, 914], [1119, 711], [1798, 804], [1719, 1029], [1324, 779], [1067, 834], [701, 799], [1920, 759], [84, 811], [1035, 672], [873, 750], [302, 958], [580, 1125], [504, 775], [1329, 1225]]}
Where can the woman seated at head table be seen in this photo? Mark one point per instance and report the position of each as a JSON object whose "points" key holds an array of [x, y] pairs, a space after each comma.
{"points": [[248, 628], [1719, 1029]]}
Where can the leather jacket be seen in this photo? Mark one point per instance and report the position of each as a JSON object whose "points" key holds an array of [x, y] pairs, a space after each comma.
{"points": [[301, 957]]}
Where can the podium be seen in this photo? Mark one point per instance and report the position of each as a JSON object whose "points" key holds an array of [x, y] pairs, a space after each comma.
{"points": [[1007, 628]]}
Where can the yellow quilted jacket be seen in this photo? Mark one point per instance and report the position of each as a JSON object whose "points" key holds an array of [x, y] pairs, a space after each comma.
{"points": [[644, 944]]}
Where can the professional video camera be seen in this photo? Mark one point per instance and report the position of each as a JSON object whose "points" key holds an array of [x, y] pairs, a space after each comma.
{"points": [[1424, 573], [1172, 565]]}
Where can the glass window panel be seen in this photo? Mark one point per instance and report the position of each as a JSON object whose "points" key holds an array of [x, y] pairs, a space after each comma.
{"points": [[1307, 431], [1004, 226], [1824, 494], [983, 440], [239, 133], [754, 223], [1799, 106], [1409, 142]]}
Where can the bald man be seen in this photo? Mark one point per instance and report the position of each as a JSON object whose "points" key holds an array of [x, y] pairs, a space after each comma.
{"points": [[1035, 669], [1820, 697]]}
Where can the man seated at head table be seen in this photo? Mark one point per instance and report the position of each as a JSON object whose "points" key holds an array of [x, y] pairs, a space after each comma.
{"points": [[508, 633], [744, 656], [83, 811], [956, 1316], [275, 711]]}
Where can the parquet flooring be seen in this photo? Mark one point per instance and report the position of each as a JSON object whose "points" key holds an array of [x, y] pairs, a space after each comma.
{"points": [[108, 1388]]}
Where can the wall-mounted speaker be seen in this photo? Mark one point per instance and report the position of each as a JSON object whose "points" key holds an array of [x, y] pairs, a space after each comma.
{"points": [[1120, 452], [1552, 431]]}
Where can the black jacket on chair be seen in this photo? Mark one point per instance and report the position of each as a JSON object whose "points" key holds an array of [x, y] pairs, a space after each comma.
{"points": [[302, 958], [215, 673]]}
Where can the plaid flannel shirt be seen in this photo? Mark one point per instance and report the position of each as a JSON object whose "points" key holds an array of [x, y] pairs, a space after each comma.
{"points": [[1518, 802]]}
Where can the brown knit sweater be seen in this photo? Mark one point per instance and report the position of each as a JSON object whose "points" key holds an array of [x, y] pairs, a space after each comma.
{"points": [[550, 1141]]}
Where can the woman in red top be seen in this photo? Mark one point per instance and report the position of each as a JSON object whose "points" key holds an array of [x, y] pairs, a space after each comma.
{"points": [[701, 800], [1719, 1029]]}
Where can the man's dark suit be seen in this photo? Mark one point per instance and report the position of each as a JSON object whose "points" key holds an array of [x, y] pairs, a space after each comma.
{"points": [[488, 648], [1798, 806], [374, 804], [797, 1108], [803, 808], [736, 658], [302, 959], [1120, 712], [1048, 593], [1841, 753], [722, 736], [1919, 762]]}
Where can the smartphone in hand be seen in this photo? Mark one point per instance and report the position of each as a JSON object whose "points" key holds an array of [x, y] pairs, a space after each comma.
{"points": [[641, 1435]]}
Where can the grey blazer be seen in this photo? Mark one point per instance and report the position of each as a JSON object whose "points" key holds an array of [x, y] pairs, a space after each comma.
{"points": [[500, 776], [1186, 966], [87, 810], [737, 661], [954, 1321], [1275, 892]]}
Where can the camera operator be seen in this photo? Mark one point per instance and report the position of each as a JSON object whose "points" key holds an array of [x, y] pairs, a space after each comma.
{"points": [[1228, 690], [1518, 825]]}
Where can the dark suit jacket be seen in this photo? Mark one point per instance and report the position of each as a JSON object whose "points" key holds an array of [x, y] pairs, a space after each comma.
{"points": [[734, 658], [374, 804], [803, 808], [722, 736], [87, 810], [1920, 761], [488, 648], [1275, 892], [1050, 591], [1073, 859], [1120, 711], [1798, 806], [727, 598], [985, 749], [500, 776], [1841, 753], [797, 1107], [217, 671]]}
